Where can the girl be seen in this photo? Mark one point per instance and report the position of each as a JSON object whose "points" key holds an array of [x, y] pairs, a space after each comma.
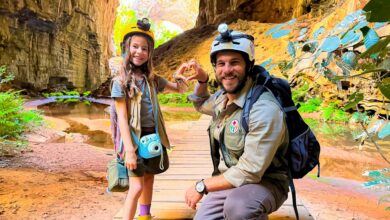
{"points": [[135, 93]]}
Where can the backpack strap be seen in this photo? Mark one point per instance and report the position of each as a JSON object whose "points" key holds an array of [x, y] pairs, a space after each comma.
{"points": [[290, 108], [293, 193], [254, 94], [252, 97]]}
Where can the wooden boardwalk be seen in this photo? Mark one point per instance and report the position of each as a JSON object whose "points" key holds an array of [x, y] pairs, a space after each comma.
{"points": [[190, 161]]}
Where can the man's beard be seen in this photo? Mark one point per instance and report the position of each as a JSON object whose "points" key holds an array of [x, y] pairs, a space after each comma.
{"points": [[237, 89]]}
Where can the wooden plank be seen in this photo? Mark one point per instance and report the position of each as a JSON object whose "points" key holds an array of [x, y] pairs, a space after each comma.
{"points": [[184, 165], [168, 184], [188, 170], [188, 159], [191, 155], [181, 177]]}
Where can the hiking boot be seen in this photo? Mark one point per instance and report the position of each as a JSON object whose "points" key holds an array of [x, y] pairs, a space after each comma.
{"points": [[145, 217]]}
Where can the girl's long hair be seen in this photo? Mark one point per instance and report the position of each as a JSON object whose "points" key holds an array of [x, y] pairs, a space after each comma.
{"points": [[126, 72]]}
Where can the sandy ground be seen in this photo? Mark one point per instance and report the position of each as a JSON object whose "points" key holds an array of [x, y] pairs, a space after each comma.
{"points": [[54, 180], [57, 181]]}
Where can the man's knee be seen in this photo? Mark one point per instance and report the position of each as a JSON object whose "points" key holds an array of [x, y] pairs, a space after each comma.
{"points": [[237, 207]]}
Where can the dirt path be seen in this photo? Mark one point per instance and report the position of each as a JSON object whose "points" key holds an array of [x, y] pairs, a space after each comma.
{"points": [[57, 181]]}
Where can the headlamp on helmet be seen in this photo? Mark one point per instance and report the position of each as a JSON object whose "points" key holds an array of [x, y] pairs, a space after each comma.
{"points": [[233, 41], [143, 24], [224, 31]]}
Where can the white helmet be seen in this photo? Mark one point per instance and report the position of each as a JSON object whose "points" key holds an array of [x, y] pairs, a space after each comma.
{"points": [[232, 40]]}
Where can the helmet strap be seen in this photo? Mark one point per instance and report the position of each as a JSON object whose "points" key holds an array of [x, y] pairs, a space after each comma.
{"points": [[250, 65]]}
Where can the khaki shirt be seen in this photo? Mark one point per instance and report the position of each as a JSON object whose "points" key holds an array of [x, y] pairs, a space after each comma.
{"points": [[256, 155]]}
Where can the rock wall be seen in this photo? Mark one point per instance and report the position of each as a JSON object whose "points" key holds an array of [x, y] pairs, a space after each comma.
{"points": [[265, 11], [181, 13], [57, 44]]}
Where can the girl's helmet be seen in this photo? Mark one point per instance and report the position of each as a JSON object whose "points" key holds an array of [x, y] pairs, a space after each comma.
{"points": [[142, 27], [235, 41]]}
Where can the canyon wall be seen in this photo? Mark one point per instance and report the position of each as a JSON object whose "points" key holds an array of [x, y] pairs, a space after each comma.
{"points": [[57, 44], [265, 11]]}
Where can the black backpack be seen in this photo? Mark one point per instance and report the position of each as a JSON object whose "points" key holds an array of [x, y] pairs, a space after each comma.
{"points": [[303, 150]]}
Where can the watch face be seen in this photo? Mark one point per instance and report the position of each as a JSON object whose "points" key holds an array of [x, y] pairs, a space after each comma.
{"points": [[199, 186]]}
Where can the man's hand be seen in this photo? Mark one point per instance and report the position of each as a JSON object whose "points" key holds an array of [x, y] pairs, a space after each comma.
{"points": [[192, 197], [200, 74]]}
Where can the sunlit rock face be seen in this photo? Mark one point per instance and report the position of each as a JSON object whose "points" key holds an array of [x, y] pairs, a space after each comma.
{"points": [[266, 11], [57, 44], [181, 13]]}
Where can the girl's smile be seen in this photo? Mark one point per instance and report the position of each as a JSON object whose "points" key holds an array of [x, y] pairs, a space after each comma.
{"points": [[139, 50]]}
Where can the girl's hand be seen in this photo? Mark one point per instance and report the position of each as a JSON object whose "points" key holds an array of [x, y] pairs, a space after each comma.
{"points": [[179, 74], [200, 74], [131, 160]]}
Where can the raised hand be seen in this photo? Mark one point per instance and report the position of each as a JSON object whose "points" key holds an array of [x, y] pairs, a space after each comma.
{"points": [[179, 74], [199, 74]]}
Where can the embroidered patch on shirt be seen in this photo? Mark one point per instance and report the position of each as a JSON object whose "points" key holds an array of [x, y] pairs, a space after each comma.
{"points": [[233, 127]]}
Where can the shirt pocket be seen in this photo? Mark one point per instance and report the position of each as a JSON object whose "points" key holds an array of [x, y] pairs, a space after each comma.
{"points": [[234, 137]]}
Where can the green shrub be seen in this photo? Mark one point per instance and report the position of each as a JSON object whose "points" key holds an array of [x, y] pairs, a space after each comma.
{"points": [[86, 102], [332, 130], [311, 105], [63, 93], [174, 99], [181, 116], [56, 94], [86, 93], [72, 93], [340, 116], [327, 113], [311, 122], [299, 94], [332, 113], [4, 75], [71, 100], [14, 119]]}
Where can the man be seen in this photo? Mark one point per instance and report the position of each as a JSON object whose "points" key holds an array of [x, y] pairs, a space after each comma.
{"points": [[250, 178]]}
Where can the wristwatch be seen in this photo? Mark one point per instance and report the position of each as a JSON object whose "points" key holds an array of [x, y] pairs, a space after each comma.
{"points": [[200, 187]]}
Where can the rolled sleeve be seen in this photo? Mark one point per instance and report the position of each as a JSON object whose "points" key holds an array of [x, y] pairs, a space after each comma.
{"points": [[116, 90], [267, 130], [204, 104], [197, 99], [162, 83]]}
